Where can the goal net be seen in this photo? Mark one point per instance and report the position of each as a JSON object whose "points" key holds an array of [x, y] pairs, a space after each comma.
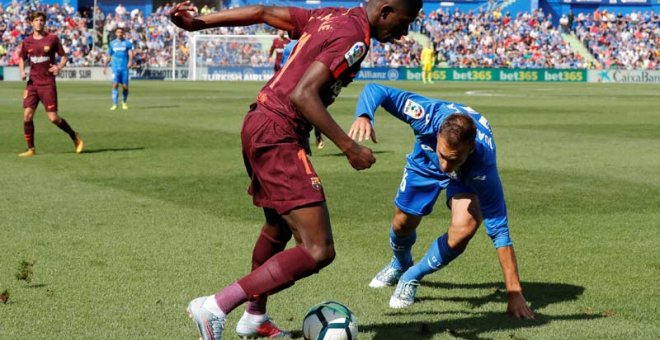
{"points": [[230, 57]]}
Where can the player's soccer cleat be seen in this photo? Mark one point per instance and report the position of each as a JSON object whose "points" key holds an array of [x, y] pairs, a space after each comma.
{"points": [[124, 106], [113, 107], [248, 329], [209, 325], [387, 276], [404, 294], [78, 143], [29, 153], [320, 144]]}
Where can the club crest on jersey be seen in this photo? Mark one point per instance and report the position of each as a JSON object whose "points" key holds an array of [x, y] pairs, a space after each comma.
{"points": [[316, 183], [414, 110], [355, 53], [46, 48]]}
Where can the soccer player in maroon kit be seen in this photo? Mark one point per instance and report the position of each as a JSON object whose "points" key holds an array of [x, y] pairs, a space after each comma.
{"points": [[40, 48], [278, 47], [332, 43]]}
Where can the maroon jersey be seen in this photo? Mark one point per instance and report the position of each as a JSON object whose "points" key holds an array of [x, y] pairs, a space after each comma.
{"points": [[41, 53], [338, 38], [278, 48]]}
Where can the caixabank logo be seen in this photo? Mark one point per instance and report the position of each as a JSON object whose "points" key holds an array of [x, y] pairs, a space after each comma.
{"points": [[627, 76]]}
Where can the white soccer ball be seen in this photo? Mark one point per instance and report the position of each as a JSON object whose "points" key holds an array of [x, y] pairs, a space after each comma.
{"points": [[330, 320]]}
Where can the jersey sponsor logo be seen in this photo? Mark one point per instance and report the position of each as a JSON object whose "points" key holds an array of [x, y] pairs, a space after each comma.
{"points": [[355, 53], [38, 60], [479, 178], [413, 109]]}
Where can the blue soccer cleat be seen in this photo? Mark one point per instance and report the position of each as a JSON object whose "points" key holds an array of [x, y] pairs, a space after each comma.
{"points": [[387, 276], [404, 294]]}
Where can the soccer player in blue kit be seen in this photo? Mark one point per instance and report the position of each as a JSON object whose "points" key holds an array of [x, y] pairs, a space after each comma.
{"points": [[120, 51], [454, 150]]}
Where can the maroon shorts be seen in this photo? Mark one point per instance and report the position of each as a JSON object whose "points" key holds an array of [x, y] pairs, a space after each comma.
{"points": [[282, 177], [47, 94]]}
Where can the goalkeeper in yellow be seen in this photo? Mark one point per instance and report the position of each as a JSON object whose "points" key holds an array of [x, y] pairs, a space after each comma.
{"points": [[428, 60]]}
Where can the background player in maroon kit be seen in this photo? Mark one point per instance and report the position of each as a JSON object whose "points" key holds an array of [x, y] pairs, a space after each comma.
{"points": [[332, 43], [278, 47], [40, 48]]}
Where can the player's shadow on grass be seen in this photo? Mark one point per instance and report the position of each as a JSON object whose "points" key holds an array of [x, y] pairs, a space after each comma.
{"points": [[538, 294], [112, 150], [470, 327]]}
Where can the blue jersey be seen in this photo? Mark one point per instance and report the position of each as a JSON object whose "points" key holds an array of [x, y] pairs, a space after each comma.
{"points": [[287, 51], [425, 116], [118, 50]]}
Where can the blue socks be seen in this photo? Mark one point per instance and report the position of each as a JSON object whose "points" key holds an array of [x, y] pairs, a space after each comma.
{"points": [[401, 247], [125, 93], [115, 96], [438, 256]]}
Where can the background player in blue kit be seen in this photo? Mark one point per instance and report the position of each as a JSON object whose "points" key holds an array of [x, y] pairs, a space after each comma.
{"points": [[120, 51], [454, 150]]}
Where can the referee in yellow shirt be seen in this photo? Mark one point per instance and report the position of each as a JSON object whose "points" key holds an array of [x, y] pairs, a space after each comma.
{"points": [[428, 60]]}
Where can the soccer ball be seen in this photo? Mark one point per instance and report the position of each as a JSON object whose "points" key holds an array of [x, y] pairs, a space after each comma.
{"points": [[330, 320]]}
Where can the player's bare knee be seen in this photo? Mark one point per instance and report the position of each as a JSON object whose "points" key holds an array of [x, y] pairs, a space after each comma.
{"points": [[404, 224], [54, 118], [461, 234], [322, 254]]}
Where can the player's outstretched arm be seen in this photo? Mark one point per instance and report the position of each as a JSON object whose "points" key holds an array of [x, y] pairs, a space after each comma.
{"points": [[307, 100], [493, 209], [278, 17], [517, 305]]}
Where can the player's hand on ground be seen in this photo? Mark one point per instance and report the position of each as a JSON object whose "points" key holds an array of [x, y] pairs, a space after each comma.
{"points": [[360, 157], [54, 69], [362, 130], [517, 306], [181, 15]]}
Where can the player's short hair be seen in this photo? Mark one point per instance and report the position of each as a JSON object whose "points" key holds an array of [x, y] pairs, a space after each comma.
{"points": [[458, 129], [120, 28], [37, 14]]}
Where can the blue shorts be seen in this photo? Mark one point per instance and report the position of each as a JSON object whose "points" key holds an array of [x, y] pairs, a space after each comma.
{"points": [[418, 192], [120, 76]]}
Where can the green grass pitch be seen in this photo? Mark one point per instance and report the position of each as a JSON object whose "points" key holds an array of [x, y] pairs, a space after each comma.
{"points": [[155, 213]]}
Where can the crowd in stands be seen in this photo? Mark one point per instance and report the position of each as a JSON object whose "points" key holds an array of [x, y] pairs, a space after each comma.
{"points": [[399, 53], [630, 41], [493, 39], [480, 38]]}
